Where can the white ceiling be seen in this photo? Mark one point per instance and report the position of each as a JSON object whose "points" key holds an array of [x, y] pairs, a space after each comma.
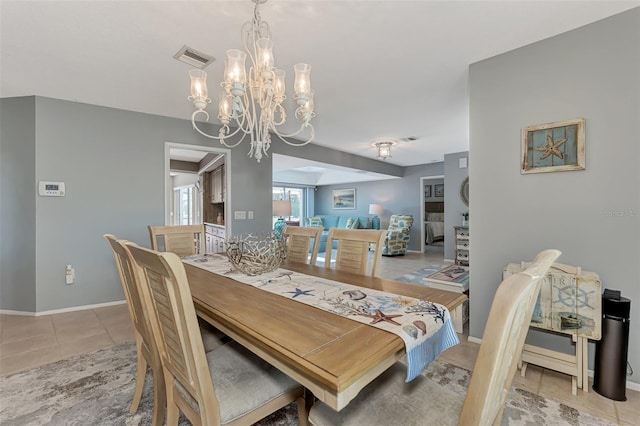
{"points": [[306, 172], [380, 68]]}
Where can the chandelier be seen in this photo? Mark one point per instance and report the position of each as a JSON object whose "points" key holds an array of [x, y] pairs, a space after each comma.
{"points": [[253, 101]]}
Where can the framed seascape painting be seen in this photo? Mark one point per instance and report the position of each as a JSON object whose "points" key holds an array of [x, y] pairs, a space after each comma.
{"points": [[344, 198], [553, 147]]}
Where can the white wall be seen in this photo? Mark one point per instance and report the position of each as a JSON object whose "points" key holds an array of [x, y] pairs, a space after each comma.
{"points": [[592, 216]]}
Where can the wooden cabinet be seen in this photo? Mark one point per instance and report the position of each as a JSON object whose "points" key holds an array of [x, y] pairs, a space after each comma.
{"points": [[215, 237], [218, 185], [462, 245]]}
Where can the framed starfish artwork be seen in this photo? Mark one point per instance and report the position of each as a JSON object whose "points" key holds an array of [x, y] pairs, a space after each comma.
{"points": [[553, 147]]}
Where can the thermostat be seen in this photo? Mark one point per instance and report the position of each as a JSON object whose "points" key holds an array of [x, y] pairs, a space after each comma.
{"points": [[51, 189]]}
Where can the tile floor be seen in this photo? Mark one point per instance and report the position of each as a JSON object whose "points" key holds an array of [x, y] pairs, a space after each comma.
{"points": [[27, 342]]}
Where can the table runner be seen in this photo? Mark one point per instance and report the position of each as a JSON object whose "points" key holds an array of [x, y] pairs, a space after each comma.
{"points": [[425, 327]]}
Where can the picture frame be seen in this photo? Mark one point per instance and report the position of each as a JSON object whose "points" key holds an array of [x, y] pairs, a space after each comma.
{"points": [[438, 190], [553, 147], [427, 191], [344, 198]]}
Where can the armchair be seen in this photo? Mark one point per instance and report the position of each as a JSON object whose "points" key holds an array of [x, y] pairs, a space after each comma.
{"points": [[398, 233]]}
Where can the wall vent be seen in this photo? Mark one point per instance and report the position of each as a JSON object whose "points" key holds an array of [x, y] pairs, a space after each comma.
{"points": [[194, 58]]}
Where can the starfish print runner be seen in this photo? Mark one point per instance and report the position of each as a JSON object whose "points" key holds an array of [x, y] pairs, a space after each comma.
{"points": [[424, 326]]}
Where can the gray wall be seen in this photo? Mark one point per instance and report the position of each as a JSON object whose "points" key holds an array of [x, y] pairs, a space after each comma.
{"points": [[17, 205], [453, 205], [592, 216], [112, 162], [397, 196]]}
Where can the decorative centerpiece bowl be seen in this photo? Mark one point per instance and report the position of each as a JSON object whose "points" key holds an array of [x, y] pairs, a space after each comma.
{"points": [[254, 255]]}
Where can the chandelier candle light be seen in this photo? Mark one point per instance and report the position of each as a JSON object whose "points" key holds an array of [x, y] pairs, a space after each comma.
{"points": [[252, 100]]}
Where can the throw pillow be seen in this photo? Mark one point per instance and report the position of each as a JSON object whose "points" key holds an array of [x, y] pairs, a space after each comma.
{"points": [[366, 225], [316, 221], [352, 223]]}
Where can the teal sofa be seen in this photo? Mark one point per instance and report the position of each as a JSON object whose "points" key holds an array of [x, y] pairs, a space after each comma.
{"points": [[339, 221]]}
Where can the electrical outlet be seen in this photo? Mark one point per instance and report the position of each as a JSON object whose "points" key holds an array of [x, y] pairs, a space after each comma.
{"points": [[69, 275], [250, 214]]}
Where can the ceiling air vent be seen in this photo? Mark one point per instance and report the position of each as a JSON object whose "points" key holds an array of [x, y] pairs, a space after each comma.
{"points": [[193, 57]]}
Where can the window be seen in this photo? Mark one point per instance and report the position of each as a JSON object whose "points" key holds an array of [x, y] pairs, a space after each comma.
{"points": [[186, 206], [297, 196]]}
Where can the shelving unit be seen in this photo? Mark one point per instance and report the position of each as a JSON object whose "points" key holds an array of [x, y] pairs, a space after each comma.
{"points": [[462, 245]]}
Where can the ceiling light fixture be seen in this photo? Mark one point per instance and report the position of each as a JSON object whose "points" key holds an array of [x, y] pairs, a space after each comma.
{"points": [[253, 100], [384, 148]]}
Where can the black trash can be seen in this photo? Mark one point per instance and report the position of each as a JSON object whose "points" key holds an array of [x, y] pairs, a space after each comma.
{"points": [[610, 372]]}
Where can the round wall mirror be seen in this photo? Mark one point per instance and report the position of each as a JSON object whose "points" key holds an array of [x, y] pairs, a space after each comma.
{"points": [[464, 191]]}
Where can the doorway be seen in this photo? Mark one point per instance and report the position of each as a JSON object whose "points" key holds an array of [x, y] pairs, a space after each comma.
{"points": [[186, 167], [432, 214]]}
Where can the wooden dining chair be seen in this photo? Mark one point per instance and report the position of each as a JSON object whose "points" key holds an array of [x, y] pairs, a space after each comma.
{"points": [[390, 400], [228, 386], [298, 240], [147, 352], [352, 254], [145, 345], [183, 240]]}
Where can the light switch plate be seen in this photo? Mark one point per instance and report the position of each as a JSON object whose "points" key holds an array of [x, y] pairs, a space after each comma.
{"points": [[240, 214]]}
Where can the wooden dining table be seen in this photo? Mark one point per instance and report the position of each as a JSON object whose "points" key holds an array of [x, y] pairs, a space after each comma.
{"points": [[332, 356]]}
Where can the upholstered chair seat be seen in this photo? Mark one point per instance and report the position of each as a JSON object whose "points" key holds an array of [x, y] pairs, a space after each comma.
{"points": [[242, 382]]}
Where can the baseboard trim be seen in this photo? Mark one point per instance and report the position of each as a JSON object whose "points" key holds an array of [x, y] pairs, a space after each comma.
{"points": [[63, 310], [630, 385], [474, 339]]}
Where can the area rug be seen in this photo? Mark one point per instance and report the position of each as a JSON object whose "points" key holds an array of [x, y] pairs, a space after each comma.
{"points": [[438, 274], [96, 389]]}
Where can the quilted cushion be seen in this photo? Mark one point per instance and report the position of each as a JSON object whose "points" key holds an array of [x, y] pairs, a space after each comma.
{"points": [[242, 381], [316, 221]]}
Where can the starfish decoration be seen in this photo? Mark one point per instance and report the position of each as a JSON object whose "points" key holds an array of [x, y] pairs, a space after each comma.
{"points": [[299, 292], [551, 148], [379, 316]]}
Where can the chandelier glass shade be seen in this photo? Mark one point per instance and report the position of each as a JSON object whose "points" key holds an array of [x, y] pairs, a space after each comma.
{"points": [[252, 101]]}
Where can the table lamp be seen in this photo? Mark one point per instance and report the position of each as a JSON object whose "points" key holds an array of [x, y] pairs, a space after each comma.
{"points": [[375, 209], [281, 208]]}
